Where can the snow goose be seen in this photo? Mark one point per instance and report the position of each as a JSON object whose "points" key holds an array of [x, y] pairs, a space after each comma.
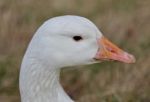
{"points": [[60, 42]]}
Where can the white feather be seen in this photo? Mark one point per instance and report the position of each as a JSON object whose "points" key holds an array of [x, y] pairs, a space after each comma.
{"points": [[51, 49]]}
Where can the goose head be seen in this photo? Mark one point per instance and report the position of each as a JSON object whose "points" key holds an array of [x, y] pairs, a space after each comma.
{"points": [[61, 42], [73, 40]]}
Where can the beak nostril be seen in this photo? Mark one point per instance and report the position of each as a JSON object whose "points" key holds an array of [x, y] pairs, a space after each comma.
{"points": [[111, 50]]}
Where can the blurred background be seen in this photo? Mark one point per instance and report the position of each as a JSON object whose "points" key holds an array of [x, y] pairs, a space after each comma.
{"points": [[125, 22]]}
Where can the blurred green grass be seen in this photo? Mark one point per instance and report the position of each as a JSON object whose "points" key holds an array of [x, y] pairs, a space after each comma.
{"points": [[125, 22]]}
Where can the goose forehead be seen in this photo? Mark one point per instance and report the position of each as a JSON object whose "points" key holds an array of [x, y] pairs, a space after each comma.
{"points": [[71, 19], [71, 24]]}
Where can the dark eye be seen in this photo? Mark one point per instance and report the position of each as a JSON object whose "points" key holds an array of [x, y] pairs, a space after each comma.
{"points": [[77, 38]]}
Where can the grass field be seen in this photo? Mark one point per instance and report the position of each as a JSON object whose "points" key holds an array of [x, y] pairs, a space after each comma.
{"points": [[125, 22]]}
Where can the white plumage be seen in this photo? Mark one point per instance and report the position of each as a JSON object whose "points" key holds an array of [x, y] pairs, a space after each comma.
{"points": [[60, 42]]}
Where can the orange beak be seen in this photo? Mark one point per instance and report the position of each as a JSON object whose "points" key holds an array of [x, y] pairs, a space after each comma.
{"points": [[109, 51]]}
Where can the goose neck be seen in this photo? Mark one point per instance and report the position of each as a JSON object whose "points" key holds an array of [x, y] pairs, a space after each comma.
{"points": [[41, 85]]}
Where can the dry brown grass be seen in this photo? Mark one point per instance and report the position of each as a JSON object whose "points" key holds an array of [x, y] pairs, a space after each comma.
{"points": [[126, 22]]}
